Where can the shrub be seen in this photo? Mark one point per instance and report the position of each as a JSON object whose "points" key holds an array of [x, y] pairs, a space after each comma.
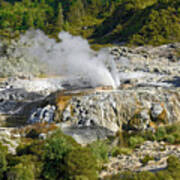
{"points": [[173, 163], [149, 135], [118, 150], [145, 175], [29, 162], [80, 162], [35, 148], [170, 139], [100, 150], [135, 141], [172, 128], [160, 133], [3, 161], [21, 172], [127, 175], [177, 137], [174, 167], [81, 178], [56, 148], [162, 174], [146, 159]]}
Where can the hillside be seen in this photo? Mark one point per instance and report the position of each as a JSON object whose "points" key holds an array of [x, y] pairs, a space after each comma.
{"points": [[136, 22]]}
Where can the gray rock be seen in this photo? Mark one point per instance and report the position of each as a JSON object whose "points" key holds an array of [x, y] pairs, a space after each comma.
{"points": [[45, 114], [86, 135], [42, 136], [156, 110]]}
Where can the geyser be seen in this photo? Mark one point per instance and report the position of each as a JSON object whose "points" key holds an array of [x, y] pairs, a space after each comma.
{"points": [[72, 58]]}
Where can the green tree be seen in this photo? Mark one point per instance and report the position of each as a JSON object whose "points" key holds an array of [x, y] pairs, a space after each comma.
{"points": [[60, 18], [56, 148], [76, 12], [80, 162]]}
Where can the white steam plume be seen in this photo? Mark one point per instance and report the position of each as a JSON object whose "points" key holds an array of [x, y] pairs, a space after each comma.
{"points": [[72, 57]]}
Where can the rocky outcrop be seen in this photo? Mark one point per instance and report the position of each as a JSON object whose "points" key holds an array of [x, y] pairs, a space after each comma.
{"points": [[149, 95], [42, 115], [131, 109]]}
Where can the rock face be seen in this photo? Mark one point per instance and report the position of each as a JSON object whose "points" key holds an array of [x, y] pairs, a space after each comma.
{"points": [[132, 109], [42, 115], [149, 95]]}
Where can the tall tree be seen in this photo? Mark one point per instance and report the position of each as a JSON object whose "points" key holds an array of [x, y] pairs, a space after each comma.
{"points": [[60, 18], [76, 12]]}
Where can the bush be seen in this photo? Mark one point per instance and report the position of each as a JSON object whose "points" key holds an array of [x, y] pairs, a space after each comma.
{"points": [[80, 162], [135, 141], [56, 148], [170, 139], [146, 159], [174, 167], [35, 148], [118, 151], [161, 174], [127, 175], [172, 128], [173, 163], [160, 133], [21, 172], [145, 175], [81, 178], [100, 150], [30, 162], [149, 135], [3, 161]]}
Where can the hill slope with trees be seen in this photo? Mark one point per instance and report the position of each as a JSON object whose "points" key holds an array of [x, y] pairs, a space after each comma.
{"points": [[135, 22]]}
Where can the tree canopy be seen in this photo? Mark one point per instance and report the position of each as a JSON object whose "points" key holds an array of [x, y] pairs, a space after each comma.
{"points": [[135, 22]]}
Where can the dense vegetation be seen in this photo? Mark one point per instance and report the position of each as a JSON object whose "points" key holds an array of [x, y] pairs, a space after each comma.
{"points": [[135, 22], [57, 157], [60, 157]]}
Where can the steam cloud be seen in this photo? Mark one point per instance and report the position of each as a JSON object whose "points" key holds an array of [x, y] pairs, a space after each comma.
{"points": [[72, 57]]}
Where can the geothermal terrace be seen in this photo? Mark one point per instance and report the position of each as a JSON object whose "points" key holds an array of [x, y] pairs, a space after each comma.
{"points": [[148, 81], [90, 95]]}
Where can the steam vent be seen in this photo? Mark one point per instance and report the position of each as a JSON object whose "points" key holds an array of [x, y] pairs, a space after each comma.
{"points": [[148, 96]]}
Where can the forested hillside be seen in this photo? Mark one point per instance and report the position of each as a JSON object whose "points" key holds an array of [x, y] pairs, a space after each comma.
{"points": [[136, 22]]}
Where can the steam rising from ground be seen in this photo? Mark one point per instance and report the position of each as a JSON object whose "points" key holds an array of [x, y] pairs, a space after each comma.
{"points": [[72, 58]]}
